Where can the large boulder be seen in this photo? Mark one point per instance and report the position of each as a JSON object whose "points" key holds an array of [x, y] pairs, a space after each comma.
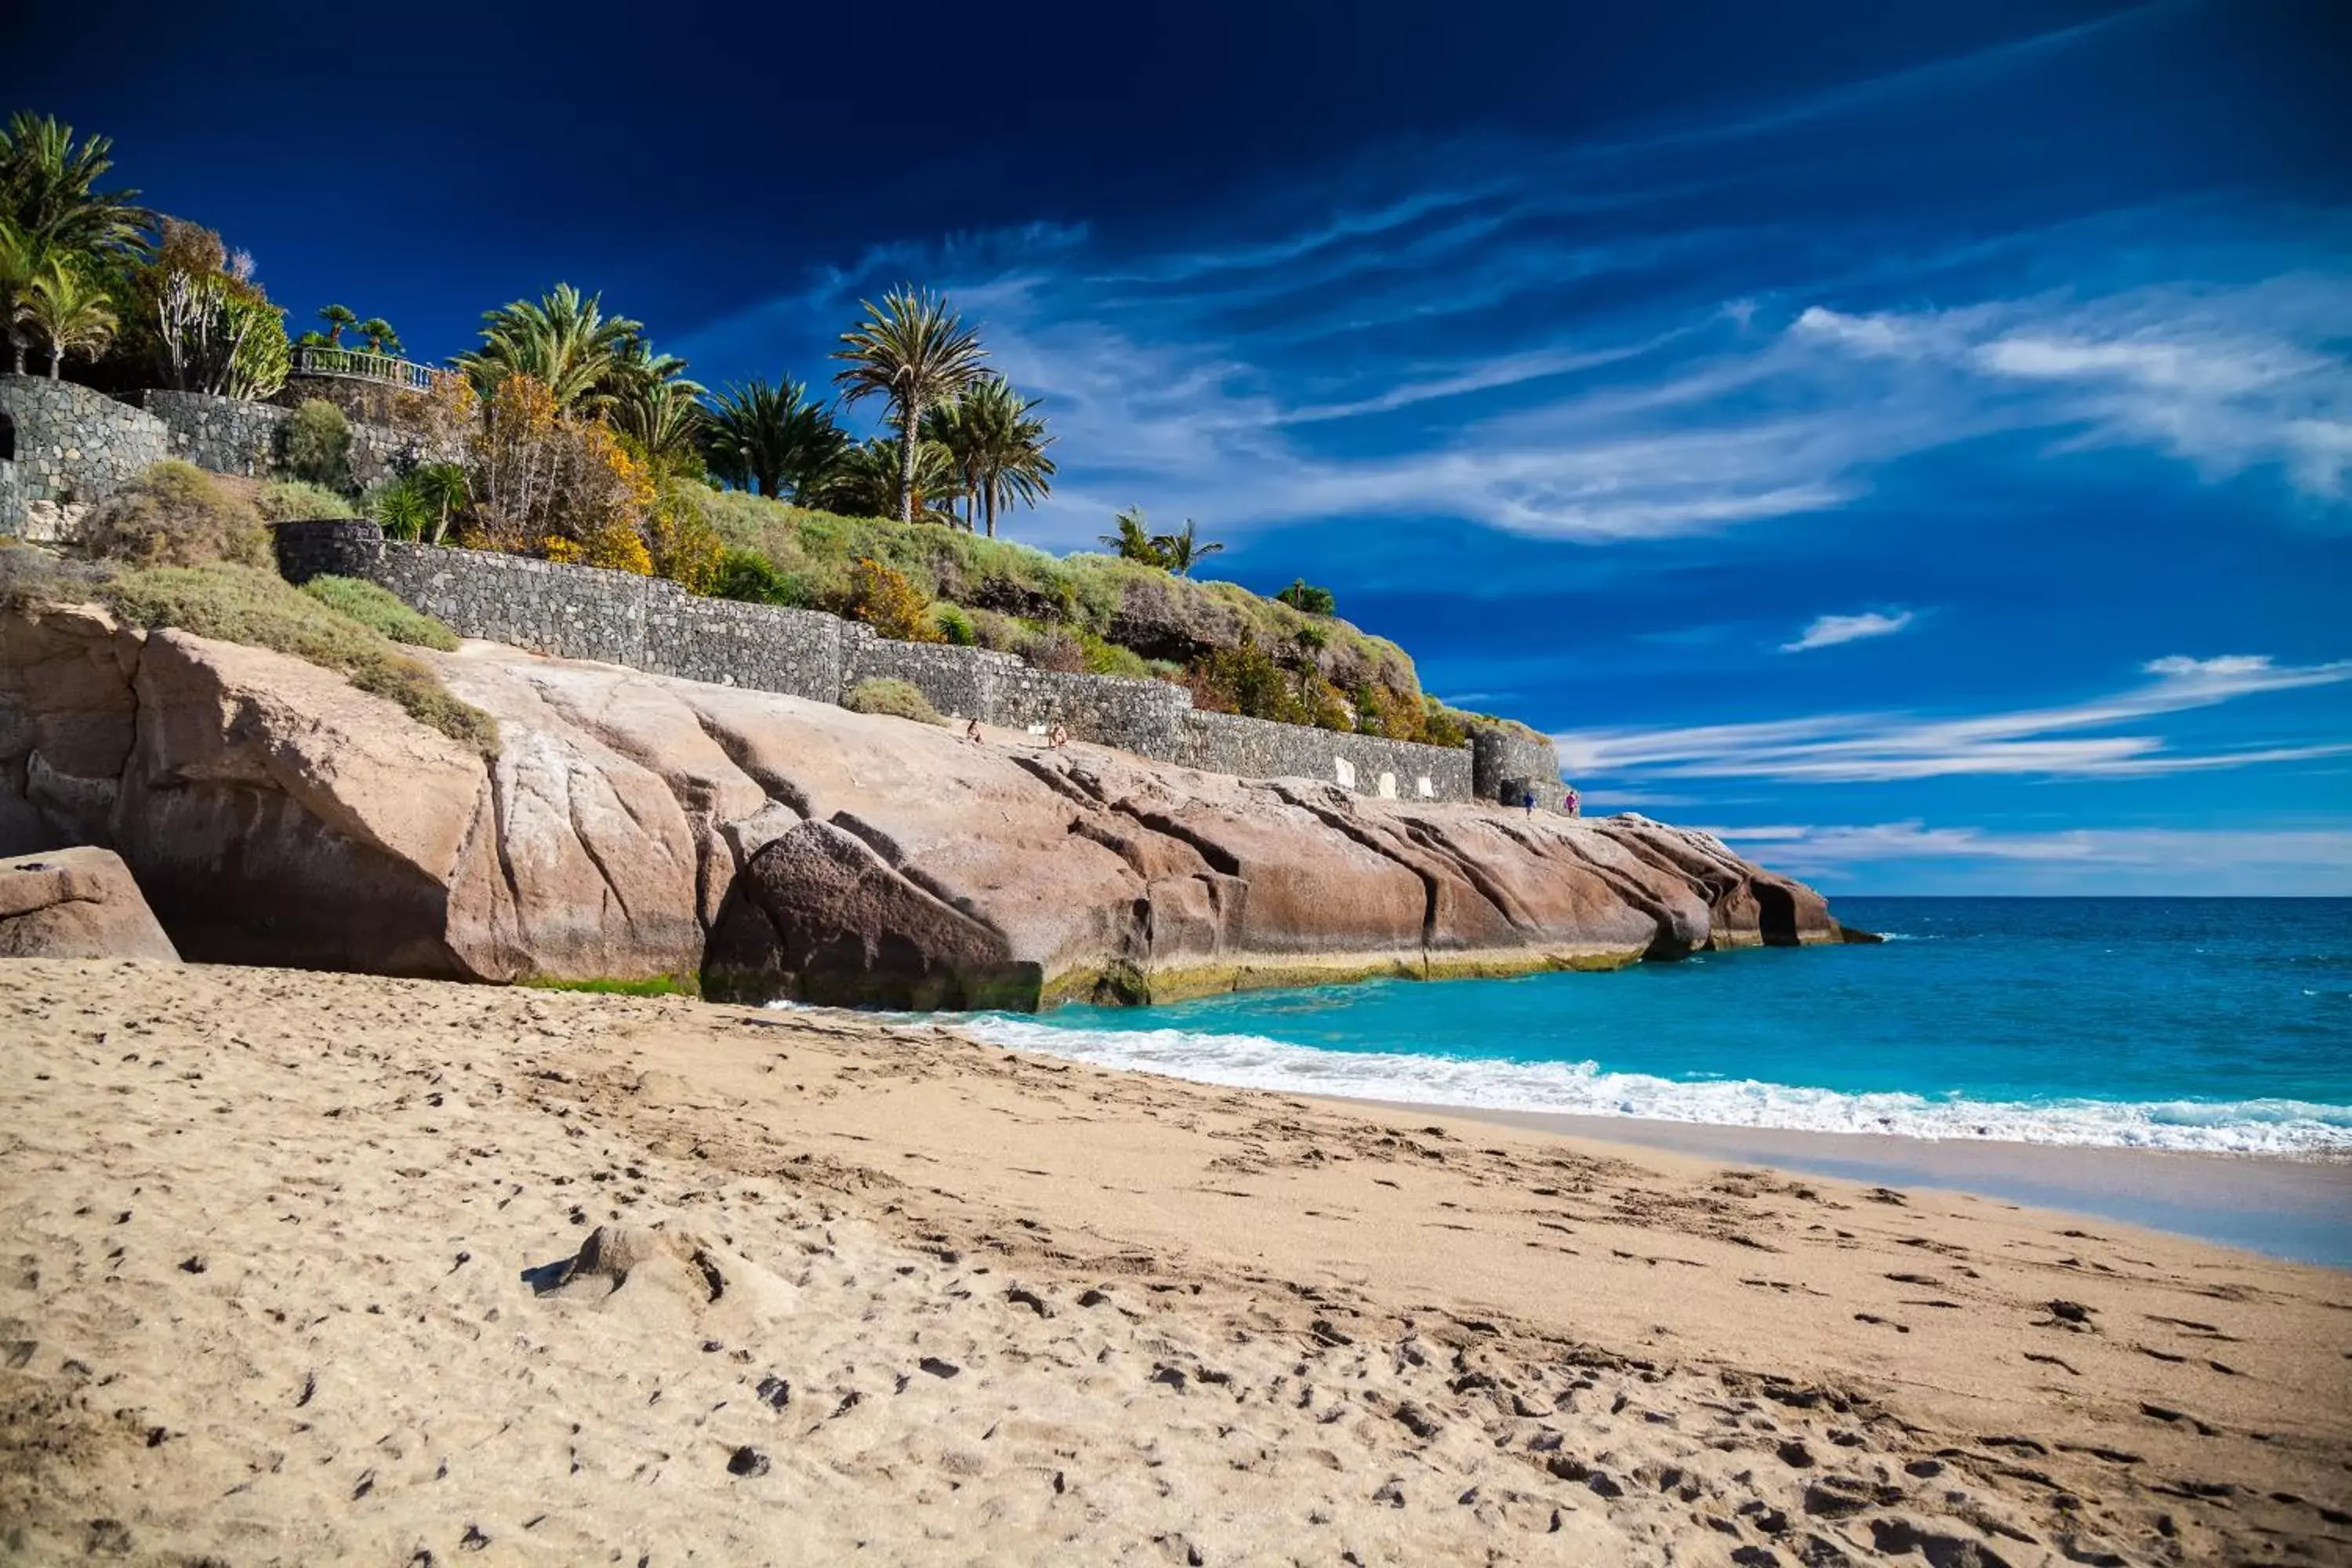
{"points": [[76, 903], [636, 826]]}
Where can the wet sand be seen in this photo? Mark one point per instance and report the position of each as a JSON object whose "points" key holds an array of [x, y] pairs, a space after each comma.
{"points": [[2295, 1208], [292, 1270]]}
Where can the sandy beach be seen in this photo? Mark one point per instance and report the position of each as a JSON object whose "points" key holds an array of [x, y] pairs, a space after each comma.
{"points": [[295, 1272]]}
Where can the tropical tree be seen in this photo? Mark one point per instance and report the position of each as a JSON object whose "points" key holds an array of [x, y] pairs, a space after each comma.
{"points": [[915, 351], [74, 315], [997, 443], [337, 318], [48, 191], [1133, 539], [565, 341], [381, 338], [1180, 553], [20, 263], [872, 478], [664, 417], [772, 438]]}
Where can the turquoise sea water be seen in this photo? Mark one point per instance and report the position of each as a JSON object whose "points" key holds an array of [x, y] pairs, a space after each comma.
{"points": [[2215, 1024]]}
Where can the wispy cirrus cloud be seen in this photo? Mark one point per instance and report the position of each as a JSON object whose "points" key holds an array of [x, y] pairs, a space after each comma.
{"points": [[2302, 860], [1829, 631], [1851, 748]]}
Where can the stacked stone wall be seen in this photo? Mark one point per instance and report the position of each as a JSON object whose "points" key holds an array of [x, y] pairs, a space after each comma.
{"points": [[232, 435], [650, 624], [73, 446], [1508, 765]]}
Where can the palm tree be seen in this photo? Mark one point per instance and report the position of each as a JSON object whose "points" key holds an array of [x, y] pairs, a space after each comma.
{"points": [[1180, 553], [20, 263], [772, 438], [1133, 541], [997, 443], [565, 341], [868, 482], [381, 338], [662, 416], [48, 191], [76, 316], [913, 351], [337, 318]]}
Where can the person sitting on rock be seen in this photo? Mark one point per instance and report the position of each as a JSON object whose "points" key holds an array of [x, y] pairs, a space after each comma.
{"points": [[1058, 736], [971, 732]]}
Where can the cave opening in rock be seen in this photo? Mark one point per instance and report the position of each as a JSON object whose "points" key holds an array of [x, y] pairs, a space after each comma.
{"points": [[7, 439], [1776, 916]]}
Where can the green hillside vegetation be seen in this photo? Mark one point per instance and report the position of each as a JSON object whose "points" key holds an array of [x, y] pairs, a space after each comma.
{"points": [[1239, 651]]}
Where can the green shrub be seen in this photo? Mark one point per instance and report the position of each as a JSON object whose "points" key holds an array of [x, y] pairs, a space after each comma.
{"points": [[1056, 650], [174, 515], [259, 608], [1246, 679], [1100, 658], [374, 608], [398, 507], [895, 698], [319, 444], [296, 500], [659, 986], [954, 625], [748, 576], [1308, 599], [1441, 725]]}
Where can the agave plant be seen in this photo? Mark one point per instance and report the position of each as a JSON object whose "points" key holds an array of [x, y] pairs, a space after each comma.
{"points": [[770, 437], [73, 315], [564, 341], [997, 443], [915, 351], [48, 191]]}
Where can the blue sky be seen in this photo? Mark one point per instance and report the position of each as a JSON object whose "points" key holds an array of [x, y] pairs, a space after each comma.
{"points": [[1913, 442]]}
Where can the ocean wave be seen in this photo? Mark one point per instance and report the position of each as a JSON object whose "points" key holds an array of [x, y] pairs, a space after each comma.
{"points": [[1581, 1088]]}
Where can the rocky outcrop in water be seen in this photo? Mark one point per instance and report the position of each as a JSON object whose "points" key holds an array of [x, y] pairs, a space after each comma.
{"points": [[636, 826]]}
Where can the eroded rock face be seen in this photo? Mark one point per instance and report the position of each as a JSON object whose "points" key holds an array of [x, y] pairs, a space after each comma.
{"points": [[76, 903], [637, 826]]}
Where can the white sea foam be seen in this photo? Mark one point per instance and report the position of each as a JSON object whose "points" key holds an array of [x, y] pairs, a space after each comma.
{"points": [[1253, 1061]]}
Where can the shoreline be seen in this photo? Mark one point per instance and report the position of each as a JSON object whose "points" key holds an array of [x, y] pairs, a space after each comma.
{"points": [[368, 1267], [2296, 1207]]}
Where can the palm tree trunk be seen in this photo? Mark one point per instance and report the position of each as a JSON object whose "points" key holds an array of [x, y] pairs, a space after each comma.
{"points": [[56, 358], [909, 422], [988, 497]]}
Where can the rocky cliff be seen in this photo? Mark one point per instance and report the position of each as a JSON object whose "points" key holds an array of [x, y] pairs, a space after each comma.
{"points": [[636, 826]]}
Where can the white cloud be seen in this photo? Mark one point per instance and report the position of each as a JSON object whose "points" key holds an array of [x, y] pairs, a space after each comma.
{"points": [[1849, 748], [2308, 860], [1828, 631]]}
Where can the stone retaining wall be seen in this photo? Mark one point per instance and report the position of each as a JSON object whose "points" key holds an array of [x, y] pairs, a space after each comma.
{"points": [[73, 446], [651, 623], [232, 435], [1508, 765]]}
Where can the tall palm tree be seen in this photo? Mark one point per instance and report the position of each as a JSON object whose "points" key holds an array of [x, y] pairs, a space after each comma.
{"points": [[913, 351], [381, 338], [564, 341], [1180, 553], [337, 318], [772, 438], [49, 190], [74, 316], [997, 443]]}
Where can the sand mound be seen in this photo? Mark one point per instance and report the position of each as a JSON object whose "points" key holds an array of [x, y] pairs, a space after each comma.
{"points": [[652, 1268]]}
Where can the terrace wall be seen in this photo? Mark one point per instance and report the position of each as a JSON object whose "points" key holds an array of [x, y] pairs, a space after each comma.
{"points": [[651, 623]]}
